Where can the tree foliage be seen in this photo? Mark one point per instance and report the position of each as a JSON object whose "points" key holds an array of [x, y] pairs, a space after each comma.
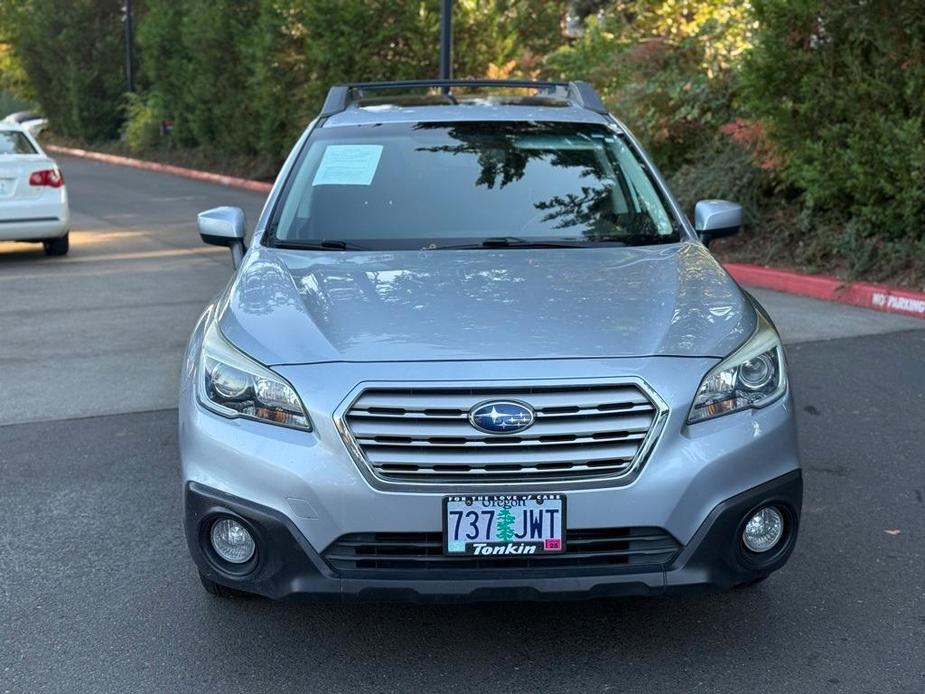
{"points": [[14, 83], [245, 76], [667, 67], [72, 52], [841, 84]]}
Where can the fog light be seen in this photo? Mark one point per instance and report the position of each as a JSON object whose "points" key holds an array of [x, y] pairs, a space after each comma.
{"points": [[231, 541], [763, 530]]}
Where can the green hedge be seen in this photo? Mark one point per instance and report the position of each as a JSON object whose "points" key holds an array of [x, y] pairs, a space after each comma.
{"points": [[841, 84], [247, 76], [72, 52]]}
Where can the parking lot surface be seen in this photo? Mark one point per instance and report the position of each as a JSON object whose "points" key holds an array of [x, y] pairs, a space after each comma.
{"points": [[97, 593]]}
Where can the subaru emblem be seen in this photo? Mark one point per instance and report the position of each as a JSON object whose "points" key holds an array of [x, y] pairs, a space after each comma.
{"points": [[501, 416]]}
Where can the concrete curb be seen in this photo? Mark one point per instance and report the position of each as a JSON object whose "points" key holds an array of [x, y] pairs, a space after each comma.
{"points": [[231, 181], [879, 297]]}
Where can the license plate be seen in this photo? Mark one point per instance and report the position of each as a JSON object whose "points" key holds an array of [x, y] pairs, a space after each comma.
{"points": [[6, 186], [504, 525]]}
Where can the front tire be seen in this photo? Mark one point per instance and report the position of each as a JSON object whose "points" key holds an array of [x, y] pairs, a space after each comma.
{"points": [[57, 246], [752, 583], [220, 591]]}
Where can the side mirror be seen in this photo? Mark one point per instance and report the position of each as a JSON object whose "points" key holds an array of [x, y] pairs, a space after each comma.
{"points": [[224, 226], [716, 218]]}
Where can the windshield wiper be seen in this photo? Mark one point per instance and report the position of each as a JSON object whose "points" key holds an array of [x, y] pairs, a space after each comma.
{"points": [[515, 242], [322, 245]]}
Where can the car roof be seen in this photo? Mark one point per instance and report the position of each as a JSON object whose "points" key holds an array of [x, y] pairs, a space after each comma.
{"points": [[364, 103], [481, 110], [23, 116]]}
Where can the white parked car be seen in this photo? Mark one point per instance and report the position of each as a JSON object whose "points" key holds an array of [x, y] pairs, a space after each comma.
{"points": [[33, 198]]}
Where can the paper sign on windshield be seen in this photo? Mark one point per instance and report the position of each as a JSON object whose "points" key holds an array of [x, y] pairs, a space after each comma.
{"points": [[348, 165]]}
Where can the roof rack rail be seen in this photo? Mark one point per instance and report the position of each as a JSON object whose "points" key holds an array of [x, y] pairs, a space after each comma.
{"points": [[581, 94]]}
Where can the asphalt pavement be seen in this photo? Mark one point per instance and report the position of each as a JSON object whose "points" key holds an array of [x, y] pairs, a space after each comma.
{"points": [[97, 593]]}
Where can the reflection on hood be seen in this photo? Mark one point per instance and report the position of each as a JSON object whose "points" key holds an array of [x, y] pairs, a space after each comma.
{"points": [[290, 307]]}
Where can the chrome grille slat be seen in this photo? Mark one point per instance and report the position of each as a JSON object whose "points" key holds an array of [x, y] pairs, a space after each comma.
{"points": [[465, 398], [422, 434], [381, 416], [493, 475], [457, 470], [424, 429], [593, 412], [400, 414], [492, 455], [510, 443]]}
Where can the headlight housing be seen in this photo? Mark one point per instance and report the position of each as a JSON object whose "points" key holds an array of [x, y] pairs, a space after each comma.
{"points": [[752, 376], [234, 385]]}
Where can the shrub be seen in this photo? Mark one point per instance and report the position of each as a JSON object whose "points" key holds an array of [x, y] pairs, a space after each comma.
{"points": [[842, 86], [142, 129], [246, 76], [726, 168], [72, 52], [667, 68], [15, 91], [9, 103]]}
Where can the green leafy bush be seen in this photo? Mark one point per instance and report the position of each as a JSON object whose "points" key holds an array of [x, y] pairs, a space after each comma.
{"points": [[842, 87], [15, 90], [10, 103], [726, 167], [142, 129], [72, 52], [247, 76], [667, 68]]}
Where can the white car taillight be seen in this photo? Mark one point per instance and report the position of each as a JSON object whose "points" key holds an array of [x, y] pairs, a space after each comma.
{"points": [[47, 177]]}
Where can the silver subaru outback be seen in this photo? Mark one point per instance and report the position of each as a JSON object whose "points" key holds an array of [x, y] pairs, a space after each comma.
{"points": [[475, 351]]}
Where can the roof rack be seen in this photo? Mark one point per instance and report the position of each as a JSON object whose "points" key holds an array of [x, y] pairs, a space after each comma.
{"points": [[581, 94]]}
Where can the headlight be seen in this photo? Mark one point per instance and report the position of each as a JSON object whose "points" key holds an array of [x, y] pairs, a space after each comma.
{"points": [[234, 385], [753, 376]]}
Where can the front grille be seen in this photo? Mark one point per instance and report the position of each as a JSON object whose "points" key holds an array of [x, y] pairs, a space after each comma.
{"points": [[423, 435], [631, 549]]}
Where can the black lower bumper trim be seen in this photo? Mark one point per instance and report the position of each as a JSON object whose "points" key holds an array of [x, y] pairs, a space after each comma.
{"points": [[287, 566], [715, 558]]}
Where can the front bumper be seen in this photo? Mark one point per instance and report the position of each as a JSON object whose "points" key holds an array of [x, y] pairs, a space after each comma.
{"points": [[309, 492], [288, 566]]}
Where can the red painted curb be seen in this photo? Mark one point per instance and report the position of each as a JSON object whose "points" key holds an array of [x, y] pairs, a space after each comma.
{"points": [[231, 181], [879, 297]]}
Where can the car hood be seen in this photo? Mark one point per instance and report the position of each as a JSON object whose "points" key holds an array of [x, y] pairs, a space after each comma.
{"points": [[295, 307]]}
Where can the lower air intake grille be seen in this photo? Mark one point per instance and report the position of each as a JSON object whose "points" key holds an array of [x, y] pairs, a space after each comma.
{"points": [[628, 548]]}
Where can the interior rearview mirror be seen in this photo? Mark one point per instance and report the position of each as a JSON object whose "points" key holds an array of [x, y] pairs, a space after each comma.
{"points": [[224, 226], [716, 218]]}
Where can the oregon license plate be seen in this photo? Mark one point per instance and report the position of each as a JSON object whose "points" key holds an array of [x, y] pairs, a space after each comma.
{"points": [[504, 525]]}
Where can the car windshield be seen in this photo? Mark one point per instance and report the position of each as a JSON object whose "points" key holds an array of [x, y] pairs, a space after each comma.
{"points": [[444, 185], [12, 142]]}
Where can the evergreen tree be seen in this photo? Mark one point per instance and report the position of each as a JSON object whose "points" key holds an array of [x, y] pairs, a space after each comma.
{"points": [[504, 528]]}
